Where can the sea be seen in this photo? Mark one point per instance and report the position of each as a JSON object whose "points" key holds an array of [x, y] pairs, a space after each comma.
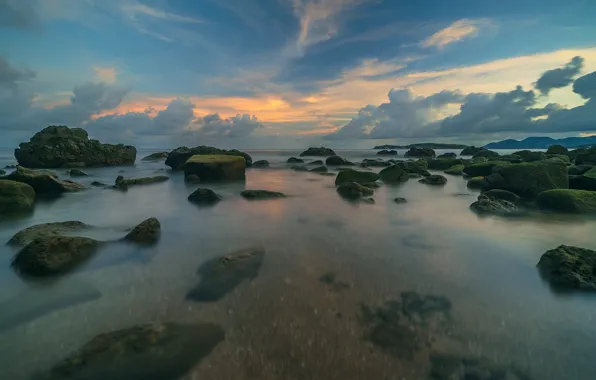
{"points": [[286, 323]]}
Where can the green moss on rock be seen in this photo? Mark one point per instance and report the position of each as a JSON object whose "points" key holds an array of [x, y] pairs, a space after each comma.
{"points": [[483, 168], [569, 267], [216, 167], [43, 182], [16, 196], [350, 175], [353, 190], [29, 234], [443, 163], [529, 179], [568, 200], [455, 170], [393, 174]]}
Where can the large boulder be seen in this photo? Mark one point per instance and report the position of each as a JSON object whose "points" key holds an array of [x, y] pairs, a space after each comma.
{"points": [[43, 182], [420, 152], [485, 153], [529, 179], [556, 149], [16, 196], [393, 174], [204, 197], [158, 156], [569, 267], [124, 183], [216, 167], [477, 183], [255, 195], [178, 157], [415, 167], [353, 190], [443, 163], [530, 156], [490, 206], [322, 151], [58, 146], [470, 151], [568, 200], [54, 254], [54, 229], [435, 180], [449, 155], [147, 232], [337, 161], [483, 168], [350, 175], [585, 156]]}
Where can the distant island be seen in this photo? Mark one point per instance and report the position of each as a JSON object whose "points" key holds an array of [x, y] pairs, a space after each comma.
{"points": [[423, 145], [542, 143]]}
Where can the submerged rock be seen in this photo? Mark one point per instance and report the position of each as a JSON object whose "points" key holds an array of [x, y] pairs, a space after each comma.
{"points": [[420, 152], [400, 200], [98, 184], [322, 151], [156, 156], [569, 267], [59, 146], [485, 205], [319, 169], [221, 275], [146, 352], [29, 234], [435, 179], [529, 179], [205, 197], [455, 170], [568, 200], [294, 160], [354, 190], [337, 161], [216, 167], [43, 182], [192, 179], [350, 175], [299, 168], [179, 156], [254, 195], [379, 163], [77, 173], [147, 232], [261, 164], [124, 183], [16, 197], [54, 254]]}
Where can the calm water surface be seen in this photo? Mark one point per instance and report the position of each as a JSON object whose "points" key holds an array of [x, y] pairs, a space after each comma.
{"points": [[286, 324]]}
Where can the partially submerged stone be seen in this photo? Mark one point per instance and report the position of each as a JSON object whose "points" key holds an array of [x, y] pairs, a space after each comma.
{"points": [[204, 197], [193, 179], [147, 232], [77, 173], [485, 153], [490, 206], [319, 169], [387, 152], [146, 352], [529, 179], [354, 190], [314, 151], [477, 183], [503, 195], [569, 267], [337, 161], [124, 183], [158, 156], [43, 182], [415, 167], [568, 200], [400, 200], [420, 152], [435, 180], [179, 156], [448, 155], [470, 151], [54, 229], [294, 160], [483, 168], [98, 184], [299, 168], [261, 164], [443, 163], [455, 170], [393, 174], [216, 167], [16, 197], [254, 195], [221, 275], [350, 175]]}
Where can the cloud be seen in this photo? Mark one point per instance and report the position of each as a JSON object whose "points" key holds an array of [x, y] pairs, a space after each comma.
{"points": [[238, 126], [19, 14], [133, 9], [9, 76], [459, 30], [586, 86], [106, 74], [561, 77]]}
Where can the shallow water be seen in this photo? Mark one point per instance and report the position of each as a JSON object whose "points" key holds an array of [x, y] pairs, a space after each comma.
{"points": [[285, 323]]}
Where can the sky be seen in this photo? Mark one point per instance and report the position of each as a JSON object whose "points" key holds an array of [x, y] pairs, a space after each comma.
{"points": [[294, 73]]}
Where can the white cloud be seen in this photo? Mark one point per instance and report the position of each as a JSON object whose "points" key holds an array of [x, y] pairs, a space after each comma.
{"points": [[106, 74], [459, 30]]}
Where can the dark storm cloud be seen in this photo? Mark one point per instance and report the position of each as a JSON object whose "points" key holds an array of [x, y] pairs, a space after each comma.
{"points": [[559, 78], [238, 126], [20, 14], [586, 86]]}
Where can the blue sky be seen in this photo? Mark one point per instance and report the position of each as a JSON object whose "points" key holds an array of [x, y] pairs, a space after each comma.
{"points": [[289, 73]]}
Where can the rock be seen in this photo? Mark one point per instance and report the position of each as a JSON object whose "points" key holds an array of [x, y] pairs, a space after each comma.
{"points": [[569, 267], [530, 156], [254, 195], [337, 161], [470, 151], [455, 170], [98, 184], [371, 185], [56, 146], [477, 160], [124, 183], [443, 163], [55, 229], [299, 168], [179, 156], [353, 190], [322, 151], [351, 175], [420, 152], [578, 169], [477, 183], [328, 174], [586, 156], [319, 169], [193, 179], [591, 173], [147, 232], [485, 153], [449, 155], [369, 200], [435, 179], [580, 182], [204, 197], [400, 200], [393, 174], [261, 164], [54, 254], [483, 168], [316, 162], [16, 197], [451, 367], [77, 173], [511, 158], [2, 172], [44, 183], [568, 200], [415, 167], [294, 160], [387, 153], [485, 205], [149, 352], [216, 167], [556, 149], [221, 275], [500, 194], [156, 156], [529, 179], [376, 163], [74, 165]]}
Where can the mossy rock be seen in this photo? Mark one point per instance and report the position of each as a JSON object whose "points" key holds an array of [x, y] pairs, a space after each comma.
{"points": [[124, 183], [511, 158], [77, 173], [417, 167], [294, 160], [386, 152], [490, 206], [51, 255], [477, 183], [455, 170], [502, 195], [483, 168], [314, 151], [158, 156], [420, 152], [393, 174], [569, 267], [299, 168], [54, 229], [568, 200], [261, 164], [470, 151], [449, 155], [434, 180], [354, 190], [443, 163], [578, 169], [485, 153], [147, 232], [556, 149], [204, 197], [337, 161], [254, 195], [587, 156], [179, 156], [375, 163], [148, 352], [529, 179], [216, 167], [16, 196], [350, 175], [590, 173], [319, 169], [558, 158], [580, 182], [316, 163], [43, 182]]}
